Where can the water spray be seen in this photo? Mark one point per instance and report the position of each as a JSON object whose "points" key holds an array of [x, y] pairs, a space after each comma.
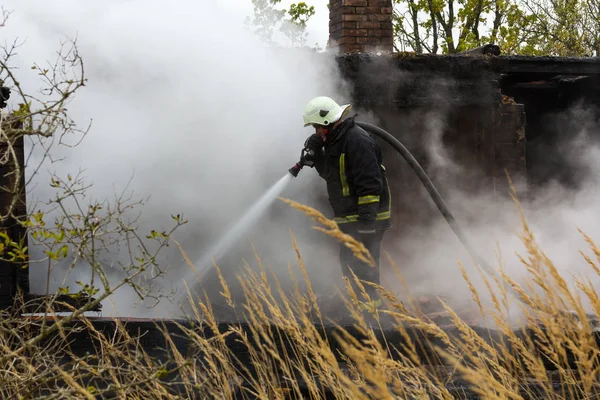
{"points": [[235, 233]]}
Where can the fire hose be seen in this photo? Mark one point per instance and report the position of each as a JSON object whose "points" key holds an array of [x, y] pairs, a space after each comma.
{"points": [[435, 195]]}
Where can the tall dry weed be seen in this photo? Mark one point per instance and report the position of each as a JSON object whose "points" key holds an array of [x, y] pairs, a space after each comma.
{"points": [[282, 347]]}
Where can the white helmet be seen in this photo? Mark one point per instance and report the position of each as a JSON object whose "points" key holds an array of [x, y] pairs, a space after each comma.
{"points": [[323, 110]]}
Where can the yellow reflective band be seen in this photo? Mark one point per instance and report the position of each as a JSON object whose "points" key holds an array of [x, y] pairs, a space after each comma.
{"points": [[353, 218], [384, 215], [364, 200], [345, 188], [344, 220], [389, 211], [368, 199]]}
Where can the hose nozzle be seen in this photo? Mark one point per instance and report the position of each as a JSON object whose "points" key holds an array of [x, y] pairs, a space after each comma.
{"points": [[295, 169], [306, 158]]}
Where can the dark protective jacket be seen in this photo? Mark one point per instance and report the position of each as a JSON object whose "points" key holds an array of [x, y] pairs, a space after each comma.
{"points": [[351, 164]]}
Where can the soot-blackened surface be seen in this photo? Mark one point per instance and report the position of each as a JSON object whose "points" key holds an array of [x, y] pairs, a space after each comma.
{"points": [[151, 336]]}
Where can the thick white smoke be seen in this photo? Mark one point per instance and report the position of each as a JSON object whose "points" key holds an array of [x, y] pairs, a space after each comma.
{"points": [[428, 255], [187, 105], [203, 118]]}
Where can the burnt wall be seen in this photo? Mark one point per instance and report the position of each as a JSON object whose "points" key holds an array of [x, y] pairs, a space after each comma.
{"points": [[449, 112], [563, 118], [486, 114]]}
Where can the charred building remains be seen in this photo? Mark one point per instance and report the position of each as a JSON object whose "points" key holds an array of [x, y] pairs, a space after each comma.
{"points": [[491, 113], [494, 113]]}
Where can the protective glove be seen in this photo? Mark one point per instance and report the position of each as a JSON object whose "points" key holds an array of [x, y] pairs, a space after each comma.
{"points": [[314, 143], [308, 160], [365, 227], [367, 215]]}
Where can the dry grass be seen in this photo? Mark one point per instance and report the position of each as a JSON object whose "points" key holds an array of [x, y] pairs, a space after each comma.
{"points": [[281, 353]]}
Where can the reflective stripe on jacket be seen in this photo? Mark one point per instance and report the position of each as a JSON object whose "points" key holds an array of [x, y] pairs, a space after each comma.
{"points": [[357, 186]]}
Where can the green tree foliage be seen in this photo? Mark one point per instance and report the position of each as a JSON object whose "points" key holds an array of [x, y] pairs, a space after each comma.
{"points": [[535, 27], [562, 27], [269, 19]]}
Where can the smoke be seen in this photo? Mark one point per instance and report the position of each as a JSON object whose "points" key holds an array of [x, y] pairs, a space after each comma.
{"points": [[428, 253], [190, 111]]}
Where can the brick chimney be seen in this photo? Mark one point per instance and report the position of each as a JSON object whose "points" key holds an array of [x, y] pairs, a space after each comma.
{"points": [[360, 25]]}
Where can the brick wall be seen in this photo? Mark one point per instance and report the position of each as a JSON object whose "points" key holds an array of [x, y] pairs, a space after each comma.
{"points": [[360, 25]]}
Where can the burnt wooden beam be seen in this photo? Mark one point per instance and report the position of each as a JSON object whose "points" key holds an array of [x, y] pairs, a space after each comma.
{"points": [[544, 66], [488, 49], [540, 85], [571, 78], [426, 91], [400, 66]]}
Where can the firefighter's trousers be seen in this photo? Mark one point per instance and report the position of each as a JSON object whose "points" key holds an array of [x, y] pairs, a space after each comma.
{"points": [[363, 271]]}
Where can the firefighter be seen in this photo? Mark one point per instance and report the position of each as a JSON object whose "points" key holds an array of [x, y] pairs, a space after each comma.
{"points": [[350, 161]]}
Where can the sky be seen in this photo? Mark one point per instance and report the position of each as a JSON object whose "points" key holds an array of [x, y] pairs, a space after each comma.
{"points": [[317, 26]]}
